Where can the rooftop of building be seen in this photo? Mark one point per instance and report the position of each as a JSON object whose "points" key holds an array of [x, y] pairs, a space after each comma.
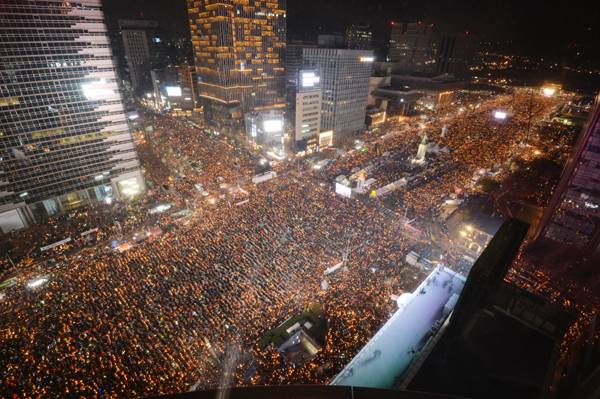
{"points": [[508, 349], [502, 341], [389, 93], [390, 352]]}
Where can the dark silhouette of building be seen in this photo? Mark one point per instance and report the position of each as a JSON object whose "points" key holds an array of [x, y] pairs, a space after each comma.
{"points": [[141, 49], [414, 47], [501, 341], [572, 220], [359, 37], [307, 392], [427, 49]]}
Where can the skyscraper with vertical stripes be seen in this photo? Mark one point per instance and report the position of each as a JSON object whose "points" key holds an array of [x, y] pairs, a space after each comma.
{"points": [[239, 47], [64, 136]]}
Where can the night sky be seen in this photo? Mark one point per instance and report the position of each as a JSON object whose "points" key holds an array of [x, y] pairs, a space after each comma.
{"points": [[528, 27]]}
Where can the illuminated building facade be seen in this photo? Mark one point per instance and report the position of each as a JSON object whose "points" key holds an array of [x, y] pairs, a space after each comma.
{"points": [[186, 77], [64, 136], [308, 105], [293, 64], [345, 84], [142, 49], [267, 130], [239, 47], [359, 37], [573, 216], [174, 89]]}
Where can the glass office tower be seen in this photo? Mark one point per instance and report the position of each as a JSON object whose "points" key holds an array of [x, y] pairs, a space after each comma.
{"points": [[64, 136], [239, 47], [344, 81]]}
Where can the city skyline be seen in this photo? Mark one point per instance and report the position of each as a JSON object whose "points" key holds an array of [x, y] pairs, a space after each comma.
{"points": [[523, 28], [360, 199]]}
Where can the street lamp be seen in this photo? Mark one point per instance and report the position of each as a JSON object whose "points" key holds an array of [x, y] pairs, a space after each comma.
{"points": [[548, 91], [500, 115]]}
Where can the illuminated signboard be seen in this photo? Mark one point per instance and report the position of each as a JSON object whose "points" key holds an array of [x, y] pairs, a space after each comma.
{"points": [[309, 79], [326, 139], [273, 125], [173, 91], [367, 59], [98, 90], [129, 187]]}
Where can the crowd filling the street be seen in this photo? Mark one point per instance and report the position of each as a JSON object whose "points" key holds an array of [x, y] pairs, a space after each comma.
{"points": [[156, 302]]}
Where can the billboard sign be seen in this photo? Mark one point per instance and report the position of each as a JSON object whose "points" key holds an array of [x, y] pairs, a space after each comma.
{"points": [[310, 79], [273, 125], [173, 91], [326, 139]]}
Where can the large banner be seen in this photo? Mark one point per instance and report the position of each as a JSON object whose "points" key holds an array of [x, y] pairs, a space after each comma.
{"points": [[56, 244], [257, 179], [342, 190]]}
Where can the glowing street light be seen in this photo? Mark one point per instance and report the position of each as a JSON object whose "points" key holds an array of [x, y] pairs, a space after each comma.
{"points": [[500, 115], [548, 91]]}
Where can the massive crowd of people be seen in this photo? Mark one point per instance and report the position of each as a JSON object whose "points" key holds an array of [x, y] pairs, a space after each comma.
{"points": [[165, 314], [474, 139], [159, 316]]}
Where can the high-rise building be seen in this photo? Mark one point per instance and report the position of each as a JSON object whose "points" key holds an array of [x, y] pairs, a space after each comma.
{"points": [[238, 49], [142, 50], [414, 47], [174, 89], [293, 64], [359, 37], [187, 78], [64, 137], [417, 47], [308, 106], [573, 216], [331, 40], [345, 84], [455, 54], [500, 341]]}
